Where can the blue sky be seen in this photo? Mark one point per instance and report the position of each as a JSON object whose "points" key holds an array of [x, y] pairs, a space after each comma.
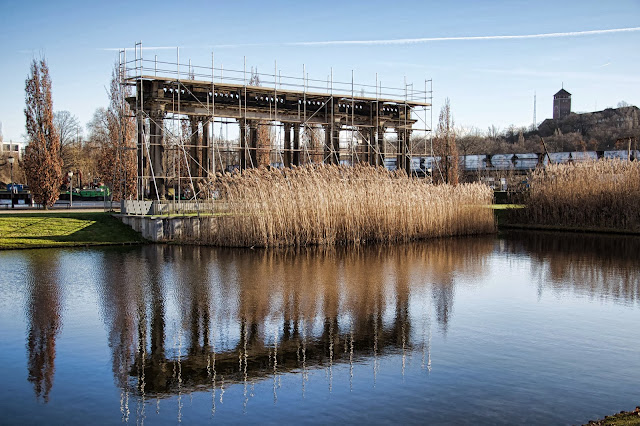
{"points": [[488, 81]]}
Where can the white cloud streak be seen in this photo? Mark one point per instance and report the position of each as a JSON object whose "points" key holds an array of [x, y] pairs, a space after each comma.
{"points": [[462, 38], [398, 41], [131, 49]]}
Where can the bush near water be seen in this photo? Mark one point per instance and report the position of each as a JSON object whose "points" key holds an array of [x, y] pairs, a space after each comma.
{"points": [[602, 194], [325, 205]]}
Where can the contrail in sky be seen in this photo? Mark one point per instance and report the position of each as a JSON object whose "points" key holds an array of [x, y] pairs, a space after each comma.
{"points": [[401, 40], [117, 49], [434, 39]]}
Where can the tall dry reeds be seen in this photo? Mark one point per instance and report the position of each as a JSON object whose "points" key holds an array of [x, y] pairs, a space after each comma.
{"points": [[596, 194], [313, 205]]}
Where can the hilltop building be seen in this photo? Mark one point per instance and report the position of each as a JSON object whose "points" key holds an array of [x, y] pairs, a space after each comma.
{"points": [[606, 125], [561, 104]]}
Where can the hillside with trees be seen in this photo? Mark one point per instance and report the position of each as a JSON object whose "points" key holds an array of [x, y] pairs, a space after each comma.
{"points": [[601, 130]]}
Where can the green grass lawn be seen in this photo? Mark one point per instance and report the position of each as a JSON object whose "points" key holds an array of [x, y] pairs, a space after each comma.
{"points": [[34, 230]]}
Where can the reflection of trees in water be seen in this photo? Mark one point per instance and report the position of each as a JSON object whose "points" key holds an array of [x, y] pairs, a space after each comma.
{"points": [[443, 261], [44, 320], [275, 300], [598, 265], [132, 297], [123, 296]]}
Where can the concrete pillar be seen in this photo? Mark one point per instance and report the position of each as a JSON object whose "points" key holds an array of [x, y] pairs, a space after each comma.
{"points": [[287, 144], [244, 158], [296, 144], [156, 131], [327, 144], [371, 147], [253, 144], [407, 152], [399, 150], [380, 145], [335, 145], [207, 164], [140, 123], [403, 152], [194, 147]]}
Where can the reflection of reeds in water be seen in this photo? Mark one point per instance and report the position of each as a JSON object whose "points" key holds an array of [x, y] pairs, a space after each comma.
{"points": [[327, 205], [603, 194], [602, 266]]}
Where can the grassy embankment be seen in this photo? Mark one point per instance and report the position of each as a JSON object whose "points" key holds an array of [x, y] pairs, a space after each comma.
{"points": [[68, 229], [624, 418], [326, 205], [600, 196]]}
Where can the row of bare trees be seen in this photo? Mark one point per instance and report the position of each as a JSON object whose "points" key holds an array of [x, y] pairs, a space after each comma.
{"points": [[108, 155]]}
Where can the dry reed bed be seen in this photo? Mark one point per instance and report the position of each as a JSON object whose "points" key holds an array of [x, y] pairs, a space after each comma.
{"points": [[597, 194], [325, 205]]}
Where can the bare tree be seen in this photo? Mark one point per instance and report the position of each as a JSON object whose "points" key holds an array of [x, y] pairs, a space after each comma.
{"points": [[469, 140], [98, 137], [445, 145], [42, 162], [118, 150], [69, 129]]}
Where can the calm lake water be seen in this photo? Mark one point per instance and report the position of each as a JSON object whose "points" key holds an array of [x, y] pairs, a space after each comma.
{"points": [[521, 328]]}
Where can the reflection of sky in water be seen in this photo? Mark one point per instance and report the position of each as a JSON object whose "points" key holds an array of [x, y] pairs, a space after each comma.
{"points": [[528, 327]]}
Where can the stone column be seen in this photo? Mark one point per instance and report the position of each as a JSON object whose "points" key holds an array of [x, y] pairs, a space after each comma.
{"points": [[243, 144], [327, 144], [156, 149], [142, 159], [371, 147], [403, 152], [253, 144], [399, 150], [380, 145], [335, 145], [194, 142], [296, 144], [206, 150], [287, 144], [407, 152]]}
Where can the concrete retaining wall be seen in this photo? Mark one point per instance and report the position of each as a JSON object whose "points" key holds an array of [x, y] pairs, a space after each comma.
{"points": [[172, 229]]}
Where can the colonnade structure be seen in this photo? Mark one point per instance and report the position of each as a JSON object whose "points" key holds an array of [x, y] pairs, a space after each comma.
{"points": [[183, 113]]}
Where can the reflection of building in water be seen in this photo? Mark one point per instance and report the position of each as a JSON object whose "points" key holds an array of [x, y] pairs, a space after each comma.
{"points": [[245, 315], [44, 321], [603, 266]]}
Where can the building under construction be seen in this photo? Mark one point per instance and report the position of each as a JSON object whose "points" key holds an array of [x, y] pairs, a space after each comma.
{"points": [[184, 113]]}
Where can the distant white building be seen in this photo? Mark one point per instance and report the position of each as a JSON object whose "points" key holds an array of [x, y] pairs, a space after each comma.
{"points": [[14, 148]]}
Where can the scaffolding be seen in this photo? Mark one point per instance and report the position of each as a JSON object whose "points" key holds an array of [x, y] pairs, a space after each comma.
{"points": [[280, 121]]}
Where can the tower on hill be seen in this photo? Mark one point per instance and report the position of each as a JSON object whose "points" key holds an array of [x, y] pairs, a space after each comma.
{"points": [[561, 104]]}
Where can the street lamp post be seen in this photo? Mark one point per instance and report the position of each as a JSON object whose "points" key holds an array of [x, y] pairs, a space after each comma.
{"points": [[11, 160], [70, 174]]}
